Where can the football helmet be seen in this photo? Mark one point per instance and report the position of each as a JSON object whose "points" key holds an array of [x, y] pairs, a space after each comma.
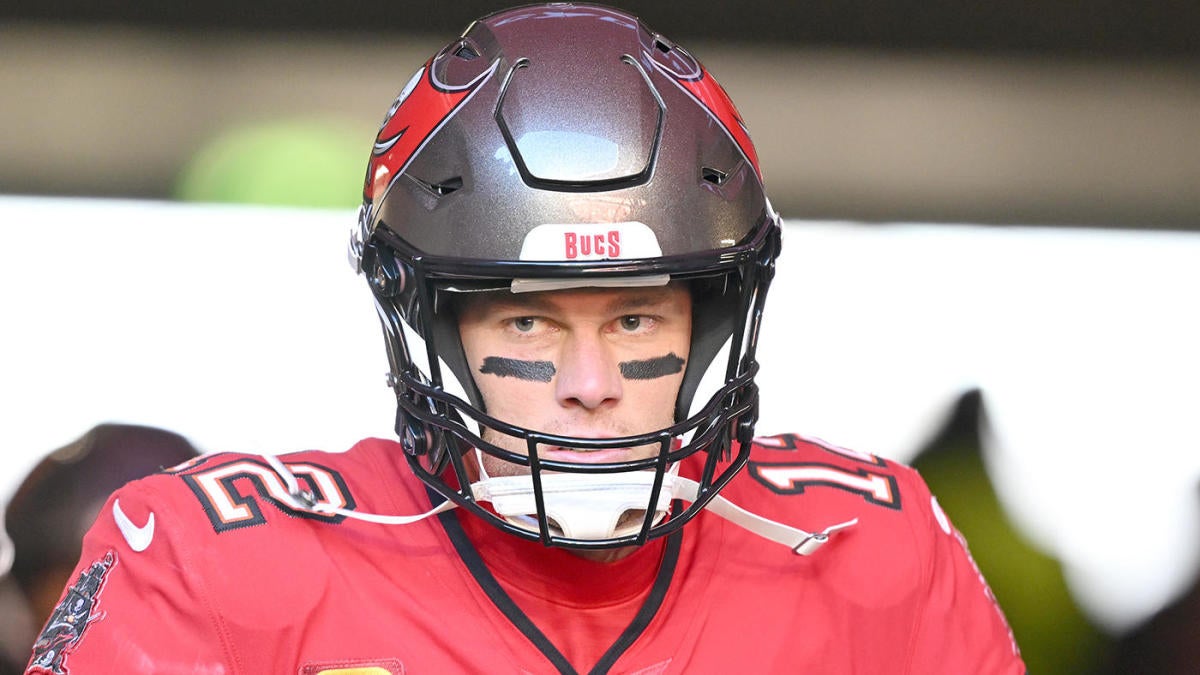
{"points": [[557, 146]]}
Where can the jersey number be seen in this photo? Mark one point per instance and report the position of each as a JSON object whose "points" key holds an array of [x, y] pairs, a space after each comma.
{"points": [[792, 479], [230, 493]]}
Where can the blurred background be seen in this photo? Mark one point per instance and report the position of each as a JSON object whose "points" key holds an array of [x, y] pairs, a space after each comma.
{"points": [[1052, 112], [1023, 178]]}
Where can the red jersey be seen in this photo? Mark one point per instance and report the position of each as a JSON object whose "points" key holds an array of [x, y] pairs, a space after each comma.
{"points": [[205, 569]]}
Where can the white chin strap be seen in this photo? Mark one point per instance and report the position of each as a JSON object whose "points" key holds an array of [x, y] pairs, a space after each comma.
{"points": [[578, 505], [581, 506]]}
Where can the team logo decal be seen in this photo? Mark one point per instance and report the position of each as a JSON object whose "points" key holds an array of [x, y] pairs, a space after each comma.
{"points": [[231, 493], [355, 667], [71, 618], [422, 107], [702, 87]]}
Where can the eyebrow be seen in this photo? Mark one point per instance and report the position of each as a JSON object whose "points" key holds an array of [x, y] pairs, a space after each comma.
{"points": [[539, 302], [641, 300]]}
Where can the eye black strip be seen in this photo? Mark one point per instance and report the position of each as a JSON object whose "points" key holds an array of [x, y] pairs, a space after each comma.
{"points": [[649, 369], [534, 371]]}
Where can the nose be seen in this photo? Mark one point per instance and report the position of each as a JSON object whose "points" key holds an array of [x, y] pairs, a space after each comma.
{"points": [[588, 374]]}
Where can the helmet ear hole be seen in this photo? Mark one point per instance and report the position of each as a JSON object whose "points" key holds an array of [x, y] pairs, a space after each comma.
{"points": [[387, 275], [416, 437], [419, 439]]}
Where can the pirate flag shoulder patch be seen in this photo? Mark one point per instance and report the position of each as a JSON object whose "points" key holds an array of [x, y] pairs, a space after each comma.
{"points": [[70, 618]]}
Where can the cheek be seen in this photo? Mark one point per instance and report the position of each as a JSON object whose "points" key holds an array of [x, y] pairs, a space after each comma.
{"points": [[510, 398], [655, 398], [507, 379]]}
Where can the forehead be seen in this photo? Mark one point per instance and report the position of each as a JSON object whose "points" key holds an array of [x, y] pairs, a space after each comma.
{"points": [[617, 300]]}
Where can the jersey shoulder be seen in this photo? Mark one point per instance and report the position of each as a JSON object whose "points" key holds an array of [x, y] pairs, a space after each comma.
{"points": [[901, 556], [225, 492], [812, 485], [787, 464], [792, 476], [189, 525], [212, 550]]}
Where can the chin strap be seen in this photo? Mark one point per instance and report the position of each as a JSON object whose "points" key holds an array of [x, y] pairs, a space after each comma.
{"points": [[578, 506], [801, 542], [584, 505]]}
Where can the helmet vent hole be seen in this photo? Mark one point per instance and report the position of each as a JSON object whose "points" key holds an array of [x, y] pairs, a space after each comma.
{"points": [[466, 52], [661, 45], [441, 188], [447, 186], [714, 176]]}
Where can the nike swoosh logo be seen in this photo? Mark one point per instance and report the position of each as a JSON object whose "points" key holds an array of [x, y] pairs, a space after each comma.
{"points": [[138, 538]]}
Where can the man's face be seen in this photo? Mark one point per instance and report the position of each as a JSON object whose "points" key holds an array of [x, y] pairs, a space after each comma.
{"points": [[590, 363]]}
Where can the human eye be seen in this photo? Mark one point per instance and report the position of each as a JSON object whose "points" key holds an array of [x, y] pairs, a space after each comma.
{"points": [[529, 326], [635, 323], [524, 324]]}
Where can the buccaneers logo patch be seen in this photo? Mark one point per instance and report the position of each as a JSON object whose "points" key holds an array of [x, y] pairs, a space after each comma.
{"points": [[74, 613]]}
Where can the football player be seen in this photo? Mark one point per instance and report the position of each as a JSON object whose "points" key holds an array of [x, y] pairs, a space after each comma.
{"points": [[565, 231]]}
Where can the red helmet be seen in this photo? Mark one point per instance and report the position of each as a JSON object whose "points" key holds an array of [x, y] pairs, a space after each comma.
{"points": [[556, 146]]}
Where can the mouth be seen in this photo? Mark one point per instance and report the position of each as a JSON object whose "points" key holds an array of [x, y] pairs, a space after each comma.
{"points": [[576, 456]]}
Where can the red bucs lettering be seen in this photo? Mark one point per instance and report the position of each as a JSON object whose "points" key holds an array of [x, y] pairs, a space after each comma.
{"points": [[599, 245]]}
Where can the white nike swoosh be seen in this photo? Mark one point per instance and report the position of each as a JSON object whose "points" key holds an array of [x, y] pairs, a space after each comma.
{"points": [[138, 538]]}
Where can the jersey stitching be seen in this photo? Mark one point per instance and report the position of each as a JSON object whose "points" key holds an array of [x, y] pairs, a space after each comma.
{"points": [[502, 601], [714, 539], [926, 580], [649, 609], [525, 625], [206, 597], [464, 575], [376, 460]]}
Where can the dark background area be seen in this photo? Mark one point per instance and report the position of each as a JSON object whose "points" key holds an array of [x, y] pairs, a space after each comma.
{"points": [[1097, 28], [1059, 113]]}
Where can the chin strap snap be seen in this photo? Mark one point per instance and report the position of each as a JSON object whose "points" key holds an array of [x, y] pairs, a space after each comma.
{"points": [[498, 490]]}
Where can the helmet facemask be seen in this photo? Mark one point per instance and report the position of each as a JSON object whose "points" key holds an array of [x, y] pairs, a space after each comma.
{"points": [[442, 420]]}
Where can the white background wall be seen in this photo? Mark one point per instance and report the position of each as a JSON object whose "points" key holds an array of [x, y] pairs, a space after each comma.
{"points": [[244, 329]]}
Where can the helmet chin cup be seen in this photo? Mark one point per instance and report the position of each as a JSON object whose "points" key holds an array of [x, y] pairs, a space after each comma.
{"points": [[580, 506]]}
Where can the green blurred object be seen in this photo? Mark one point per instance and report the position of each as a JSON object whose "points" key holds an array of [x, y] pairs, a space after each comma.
{"points": [[1052, 632], [313, 163]]}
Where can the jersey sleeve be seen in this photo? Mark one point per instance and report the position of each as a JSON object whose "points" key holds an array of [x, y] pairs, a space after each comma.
{"points": [[134, 603], [960, 627]]}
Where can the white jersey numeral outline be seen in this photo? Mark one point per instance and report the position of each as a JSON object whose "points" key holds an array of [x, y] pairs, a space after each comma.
{"points": [[789, 479], [221, 492]]}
